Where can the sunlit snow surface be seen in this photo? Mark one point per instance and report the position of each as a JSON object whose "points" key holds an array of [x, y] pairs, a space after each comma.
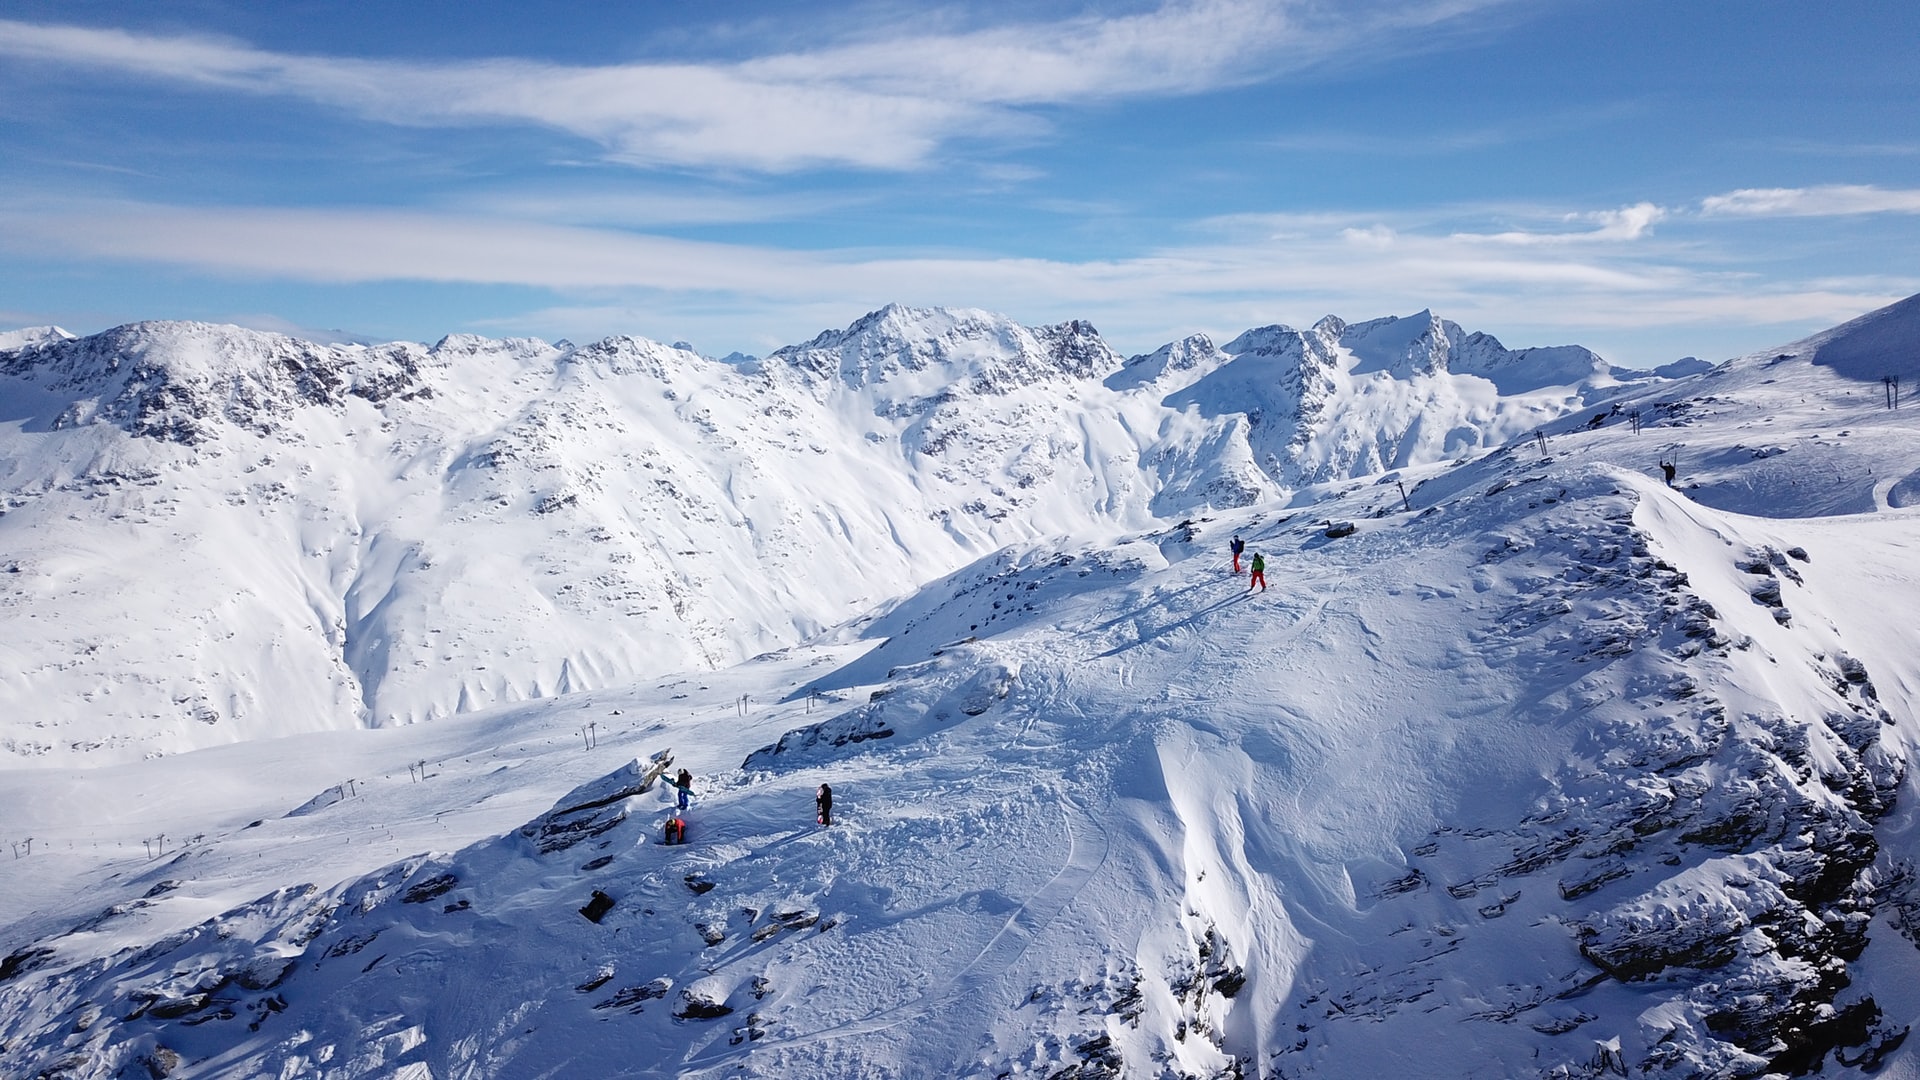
{"points": [[1099, 811]]}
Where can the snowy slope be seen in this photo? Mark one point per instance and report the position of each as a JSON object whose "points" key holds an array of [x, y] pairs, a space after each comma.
{"points": [[378, 535], [1548, 770]]}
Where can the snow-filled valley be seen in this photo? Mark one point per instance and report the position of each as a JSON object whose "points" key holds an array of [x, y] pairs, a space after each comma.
{"points": [[331, 673]]}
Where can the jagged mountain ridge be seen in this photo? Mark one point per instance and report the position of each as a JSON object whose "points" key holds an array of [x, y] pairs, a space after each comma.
{"points": [[404, 512]]}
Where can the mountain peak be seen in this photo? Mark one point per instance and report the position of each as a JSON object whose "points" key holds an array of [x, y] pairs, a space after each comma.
{"points": [[28, 336], [1190, 352], [920, 351], [1419, 344], [1272, 340]]}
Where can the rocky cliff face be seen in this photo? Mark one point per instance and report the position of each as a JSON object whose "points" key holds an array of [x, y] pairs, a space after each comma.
{"points": [[1712, 849]]}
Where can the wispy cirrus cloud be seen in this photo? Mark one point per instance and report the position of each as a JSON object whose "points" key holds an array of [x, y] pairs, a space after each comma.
{"points": [[362, 245], [1431, 142], [1601, 226], [1365, 144], [1248, 270], [657, 114], [365, 245], [1548, 229], [1827, 200], [627, 207], [885, 103], [1829, 148]]}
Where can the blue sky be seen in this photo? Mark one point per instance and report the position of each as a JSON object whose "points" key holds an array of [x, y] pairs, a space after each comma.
{"points": [[1650, 179]]}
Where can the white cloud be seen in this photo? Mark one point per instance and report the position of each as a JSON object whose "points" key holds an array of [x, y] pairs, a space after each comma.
{"points": [[278, 324], [1626, 223], [1180, 48], [887, 103], [381, 245], [1250, 269], [1829, 200], [1378, 237], [1420, 144], [627, 207]]}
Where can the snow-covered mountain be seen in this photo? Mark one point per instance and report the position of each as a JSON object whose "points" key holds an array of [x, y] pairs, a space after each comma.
{"points": [[32, 335], [1527, 764], [388, 534]]}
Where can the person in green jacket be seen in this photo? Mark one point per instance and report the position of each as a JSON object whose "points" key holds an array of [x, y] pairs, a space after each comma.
{"points": [[1259, 575]]}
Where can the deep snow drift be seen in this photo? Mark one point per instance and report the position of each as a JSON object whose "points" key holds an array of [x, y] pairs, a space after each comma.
{"points": [[1544, 769]]}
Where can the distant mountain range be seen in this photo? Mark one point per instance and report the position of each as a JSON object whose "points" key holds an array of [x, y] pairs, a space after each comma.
{"points": [[364, 534]]}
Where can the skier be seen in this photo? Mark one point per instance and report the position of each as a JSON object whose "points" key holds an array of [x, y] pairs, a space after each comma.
{"points": [[1237, 547], [1669, 467], [823, 802], [1259, 576], [683, 782], [675, 831]]}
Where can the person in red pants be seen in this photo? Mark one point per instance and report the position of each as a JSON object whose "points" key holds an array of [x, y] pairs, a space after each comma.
{"points": [[1259, 573], [1237, 547]]}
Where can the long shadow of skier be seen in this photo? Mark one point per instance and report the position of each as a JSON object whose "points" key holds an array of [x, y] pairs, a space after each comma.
{"points": [[1159, 600], [1170, 627]]}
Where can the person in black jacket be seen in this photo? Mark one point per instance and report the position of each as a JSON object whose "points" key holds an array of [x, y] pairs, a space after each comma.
{"points": [[685, 783], [823, 802], [1237, 547]]}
